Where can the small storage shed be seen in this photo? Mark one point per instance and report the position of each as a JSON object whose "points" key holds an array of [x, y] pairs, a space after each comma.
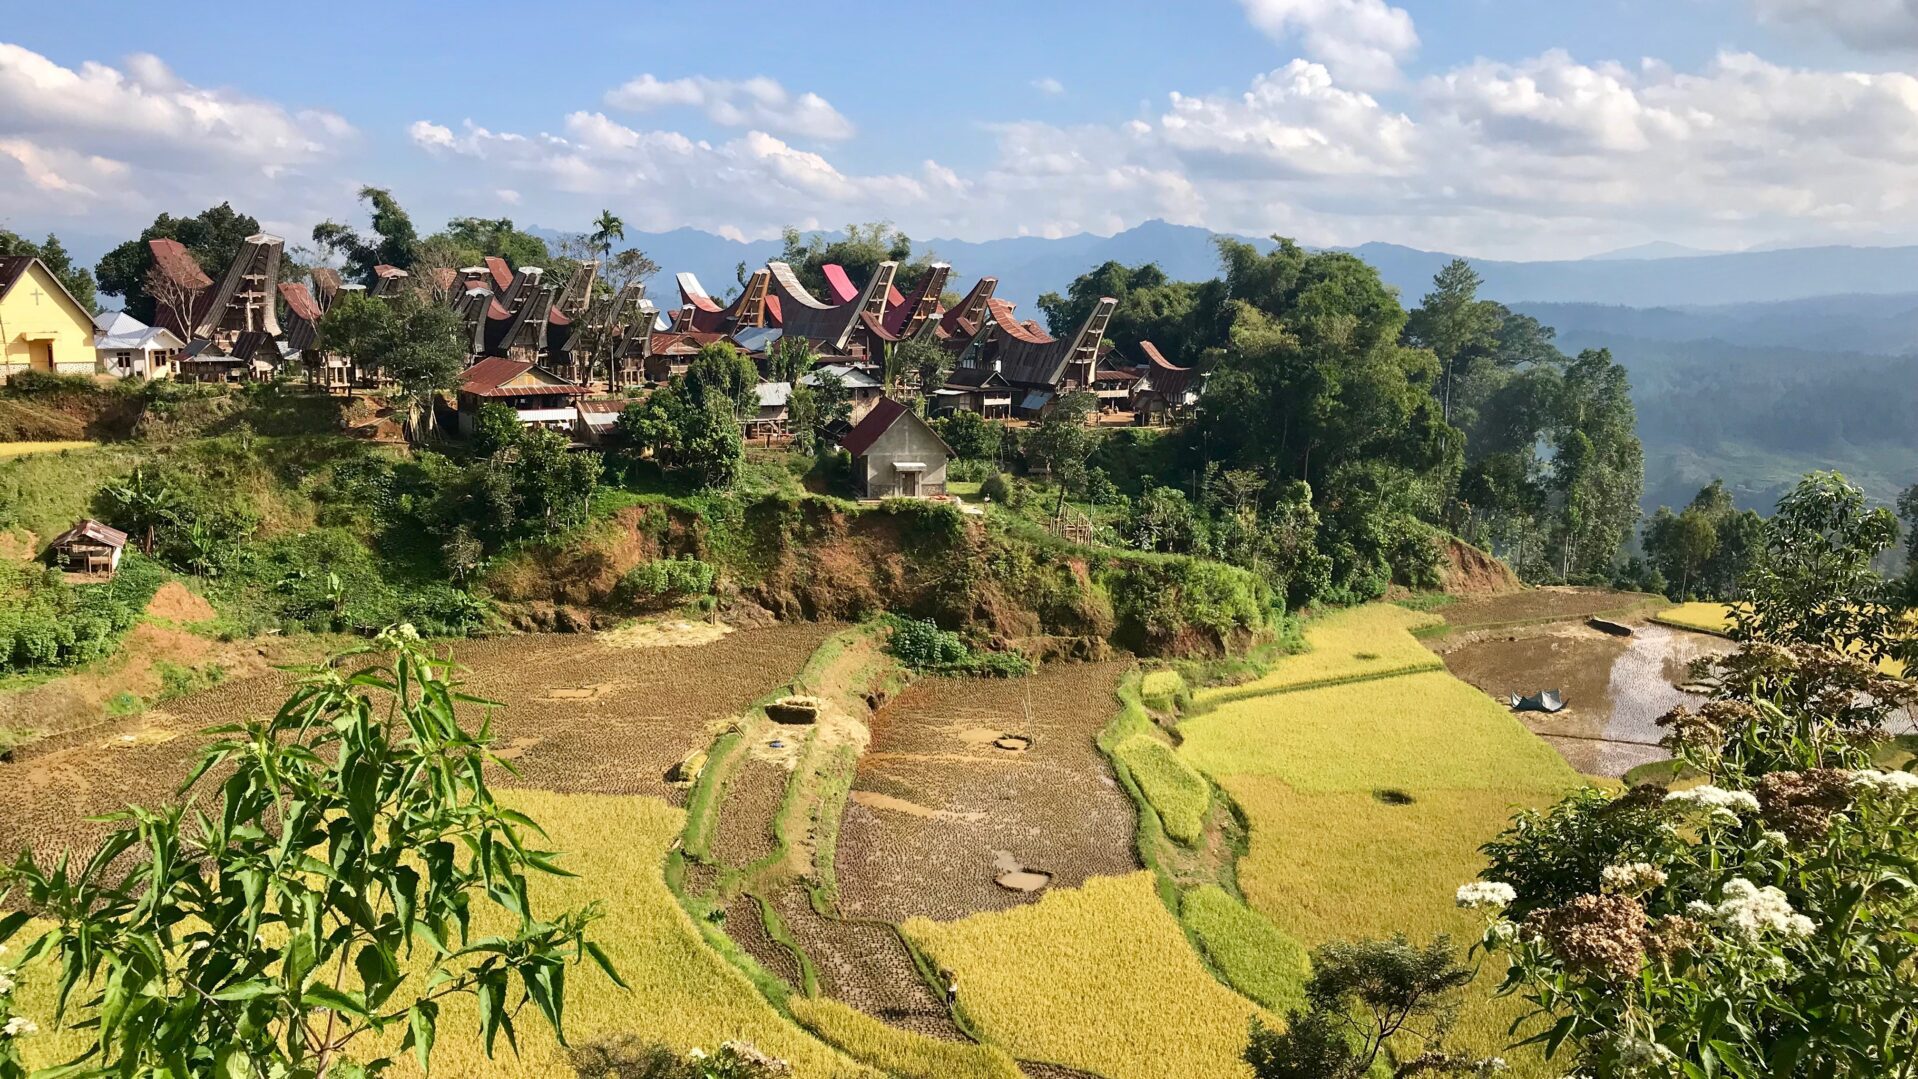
{"points": [[89, 547], [895, 454]]}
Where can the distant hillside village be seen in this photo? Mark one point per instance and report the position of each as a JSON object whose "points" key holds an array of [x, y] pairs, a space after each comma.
{"points": [[572, 354]]}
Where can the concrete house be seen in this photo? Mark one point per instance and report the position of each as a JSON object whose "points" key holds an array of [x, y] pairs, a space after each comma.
{"points": [[895, 454], [42, 327], [537, 396], [129, 348]]}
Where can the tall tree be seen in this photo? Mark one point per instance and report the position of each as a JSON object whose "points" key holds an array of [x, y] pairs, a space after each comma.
{"points": [[1455, 324], [213, 237], [394, 241], [607, 228], [1151, 307]]}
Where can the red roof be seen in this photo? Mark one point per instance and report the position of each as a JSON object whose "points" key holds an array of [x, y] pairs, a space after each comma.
{"points": [[175, 261], [488, 378], [502, 274], [383, 270], [1114, 374], [91, 529], [885, 412], [299, 301], [1001, 312], [838, 283], [682, 343]]}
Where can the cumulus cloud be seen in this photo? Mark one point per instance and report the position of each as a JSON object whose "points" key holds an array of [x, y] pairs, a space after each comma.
{"points": [[1293, 121], [110, 143], [757, 102], [1049, 85], [1868, 25], [1361, 41]]}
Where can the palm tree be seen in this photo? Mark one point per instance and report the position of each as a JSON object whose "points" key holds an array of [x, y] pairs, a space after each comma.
{"points": [[606, 229]]}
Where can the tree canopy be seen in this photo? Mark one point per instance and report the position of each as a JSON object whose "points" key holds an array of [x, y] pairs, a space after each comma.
{"points": [[213, 237], [859, 252], [76, 279]]}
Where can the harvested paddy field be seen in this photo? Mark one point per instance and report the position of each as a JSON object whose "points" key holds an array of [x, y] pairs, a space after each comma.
{"points": [[579, 717], [1351, 645], [1547, 604], [967, 780]]}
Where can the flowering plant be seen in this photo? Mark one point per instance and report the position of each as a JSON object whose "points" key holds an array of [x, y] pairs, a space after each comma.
{"points": [[1763, 924]]}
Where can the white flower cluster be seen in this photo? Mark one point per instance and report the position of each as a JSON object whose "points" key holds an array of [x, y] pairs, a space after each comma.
{"points": [[6, 982], [1486, 895], [1889, 784], [1714, 798], [1636, 878], [1753, 911], [1639, 1054], [19, 1027]]}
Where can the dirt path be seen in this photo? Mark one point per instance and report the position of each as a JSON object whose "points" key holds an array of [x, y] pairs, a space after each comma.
{"points": [[940, 807]]}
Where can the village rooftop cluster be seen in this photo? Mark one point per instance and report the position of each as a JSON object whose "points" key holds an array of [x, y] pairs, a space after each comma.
{"points": [[538, 345]]}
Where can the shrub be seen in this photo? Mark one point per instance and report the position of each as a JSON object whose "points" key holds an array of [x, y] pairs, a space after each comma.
{"points": [[665, 581], [627, 1057], [999, 488], [923, 646], [44, 622]]}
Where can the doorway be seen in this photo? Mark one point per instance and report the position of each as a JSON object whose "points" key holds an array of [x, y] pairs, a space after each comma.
{"points": [[909, 484], [40, 356]]}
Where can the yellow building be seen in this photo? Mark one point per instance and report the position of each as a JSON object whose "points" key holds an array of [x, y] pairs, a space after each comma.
{"points": [[42, 327]]}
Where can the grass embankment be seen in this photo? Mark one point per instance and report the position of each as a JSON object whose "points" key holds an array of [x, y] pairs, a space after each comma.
{"points": [[1352, 645], [683, 993], [1180, 794], [1368, 799], [1699, 617], [1100, 978]]}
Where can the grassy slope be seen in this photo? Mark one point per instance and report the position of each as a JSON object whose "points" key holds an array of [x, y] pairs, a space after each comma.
{"points": [[1359, 643], [45, 492], [1099, 978], [1328, 858]]}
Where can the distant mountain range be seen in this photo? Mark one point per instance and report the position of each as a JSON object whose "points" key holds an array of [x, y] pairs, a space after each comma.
{"points": [[1652, 275]]}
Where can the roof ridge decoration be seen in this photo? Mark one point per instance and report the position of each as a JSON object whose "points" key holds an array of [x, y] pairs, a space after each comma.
{"points": [[256, 268], [964, 319]]}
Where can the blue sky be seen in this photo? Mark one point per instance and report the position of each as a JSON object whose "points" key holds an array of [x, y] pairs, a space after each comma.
{"points": [[1519, 128]]}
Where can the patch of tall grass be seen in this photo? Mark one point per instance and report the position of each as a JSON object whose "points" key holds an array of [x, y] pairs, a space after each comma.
{"points": [[1099, 978], [1426, 730], [1254, 956], [1180, 795], [1373, 641]]}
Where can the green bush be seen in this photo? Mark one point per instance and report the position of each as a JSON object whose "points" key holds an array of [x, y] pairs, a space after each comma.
{"points": [[665, 581], [923, 646], [44, 622], [999, 488]]}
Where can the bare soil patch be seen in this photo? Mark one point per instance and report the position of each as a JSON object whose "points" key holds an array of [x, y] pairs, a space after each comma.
{"points": [[175, 603], [744, 833], [938, 809], [748, 930]]}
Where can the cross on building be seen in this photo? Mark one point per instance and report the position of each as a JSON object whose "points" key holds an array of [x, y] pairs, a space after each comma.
{"points": [[36, 294]]}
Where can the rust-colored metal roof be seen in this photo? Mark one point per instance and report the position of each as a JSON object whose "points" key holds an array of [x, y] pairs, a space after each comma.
{"points": [[885, 412], [1001, 313], [93, 530], [502, 273], [389, 272], [488, 378], [1114, 374], [300, 301], [12, 269], [1165, 377], [178, 264]]}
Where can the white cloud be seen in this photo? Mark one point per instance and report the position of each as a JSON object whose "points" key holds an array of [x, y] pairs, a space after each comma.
{"points": [[1361, 41], [1049, 85], [757, 102], [1292, 121], [1868, 25], [508, 196], [145, 111]]}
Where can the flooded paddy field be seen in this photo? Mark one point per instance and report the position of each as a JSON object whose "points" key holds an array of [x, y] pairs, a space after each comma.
{"points": [[1615, 687]]}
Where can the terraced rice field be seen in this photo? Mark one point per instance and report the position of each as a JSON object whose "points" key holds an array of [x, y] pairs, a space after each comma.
{"points": [[579, 716], [1098, 978], [1344, 646], [1702, 617], [939, 809], [1367, 802], [25, 449]]}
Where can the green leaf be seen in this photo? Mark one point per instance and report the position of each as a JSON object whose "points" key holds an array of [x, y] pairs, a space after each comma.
{"points": [[605, 963], [233, 1063], [11, 924], [422, 1024], [326, 996], [248, 990]]}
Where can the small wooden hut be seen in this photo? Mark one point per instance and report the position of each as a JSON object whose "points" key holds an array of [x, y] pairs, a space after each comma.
{"points": [[89, 547]]}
